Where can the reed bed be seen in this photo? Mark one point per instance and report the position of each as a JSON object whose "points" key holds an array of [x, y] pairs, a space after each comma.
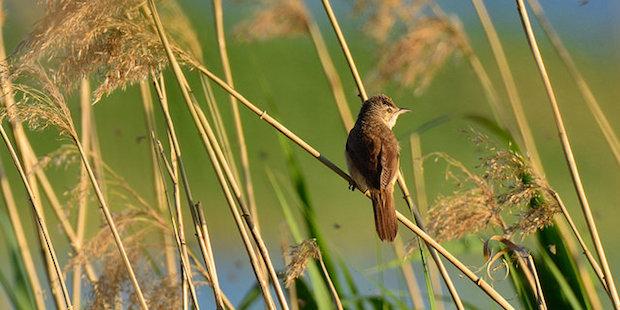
{"points": [[141, 253]]}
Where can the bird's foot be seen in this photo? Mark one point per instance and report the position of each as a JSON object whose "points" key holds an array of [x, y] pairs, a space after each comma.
{"points": [[352, 186]]}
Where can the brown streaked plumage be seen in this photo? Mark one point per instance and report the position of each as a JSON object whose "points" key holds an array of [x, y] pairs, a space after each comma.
{"points": [[372, 158]]}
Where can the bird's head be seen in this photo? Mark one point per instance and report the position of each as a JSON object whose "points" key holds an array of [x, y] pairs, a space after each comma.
{"points": [[381, 107]]}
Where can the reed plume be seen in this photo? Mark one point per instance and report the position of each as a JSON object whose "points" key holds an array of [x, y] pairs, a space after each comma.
{"points": [[506, 186], [113, 40]]}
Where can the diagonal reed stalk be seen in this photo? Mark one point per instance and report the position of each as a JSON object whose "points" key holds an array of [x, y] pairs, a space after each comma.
{"points": [[584, 88], [110, 221], [243, 150], [263, 115], [330, 72], [200, 229], [220, 129], [332, 288], [22, 243], [38, 214], [209, 141], [401, 180], [568, 153]]}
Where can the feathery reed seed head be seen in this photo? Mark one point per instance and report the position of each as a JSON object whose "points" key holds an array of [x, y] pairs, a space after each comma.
{"points": [[506, 184], [279, 18], [413, 59], [113, 39], [299, 257]]}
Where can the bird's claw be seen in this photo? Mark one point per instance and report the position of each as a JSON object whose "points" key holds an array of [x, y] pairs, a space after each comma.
{"points": [[352, 186]]}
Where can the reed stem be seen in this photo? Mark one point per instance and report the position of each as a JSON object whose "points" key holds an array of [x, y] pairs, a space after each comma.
{"points": [[243, 150], [38, 214], [568, 153]]}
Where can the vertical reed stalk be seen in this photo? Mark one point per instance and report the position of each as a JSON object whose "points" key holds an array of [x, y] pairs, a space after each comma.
{"points": [[316, 154], [588, 96], [38, 214], [511, 87], [202, 241], [158, 183], [401, 180], [243, 151], [180, 226], [568, 153], [86, 125], [176, 218]]}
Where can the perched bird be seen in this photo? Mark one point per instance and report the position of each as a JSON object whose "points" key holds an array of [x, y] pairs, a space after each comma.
{"points": [[372, 158]]}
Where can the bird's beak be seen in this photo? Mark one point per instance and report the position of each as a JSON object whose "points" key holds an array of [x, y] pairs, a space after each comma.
{"points": [[403, 111]]}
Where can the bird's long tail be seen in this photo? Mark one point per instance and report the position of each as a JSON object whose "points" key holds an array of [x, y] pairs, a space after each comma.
{"points": [[385, 213]]}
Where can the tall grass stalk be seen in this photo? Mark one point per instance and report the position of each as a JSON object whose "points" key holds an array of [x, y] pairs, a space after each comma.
{"points": [[37, 211], [568, 153], [243, 150], [203, 242], [401, 180], [86, 123], [316, 154], [584, 88], [430, 274]]}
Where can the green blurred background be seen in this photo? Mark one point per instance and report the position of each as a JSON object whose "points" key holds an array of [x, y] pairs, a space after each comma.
{"points": [[286, 74]]}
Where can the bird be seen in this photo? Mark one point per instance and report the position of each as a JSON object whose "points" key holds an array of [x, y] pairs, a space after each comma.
{"points": [[372, 155]]}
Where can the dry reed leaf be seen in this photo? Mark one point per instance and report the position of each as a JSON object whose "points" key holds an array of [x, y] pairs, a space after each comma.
{"points": [[278, 18]]}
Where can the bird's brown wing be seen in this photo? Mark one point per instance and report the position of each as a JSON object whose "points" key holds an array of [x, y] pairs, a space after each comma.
{"points": [[388, 162], [364, 152]]}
